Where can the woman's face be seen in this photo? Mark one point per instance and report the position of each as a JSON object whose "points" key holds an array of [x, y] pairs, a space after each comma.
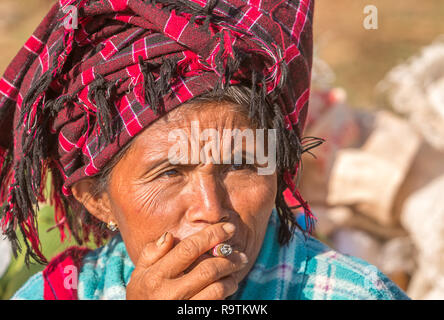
{"points": [[149, 195]]}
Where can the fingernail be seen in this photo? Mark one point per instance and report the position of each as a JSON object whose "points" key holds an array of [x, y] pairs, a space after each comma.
{"points": [[161, 239], [244, 258], [229, 227]]}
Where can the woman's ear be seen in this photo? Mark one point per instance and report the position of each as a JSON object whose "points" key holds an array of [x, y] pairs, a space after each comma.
{"points": [[96, 204]]}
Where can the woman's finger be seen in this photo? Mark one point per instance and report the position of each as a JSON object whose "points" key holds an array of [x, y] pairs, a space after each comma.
{"points": [[191, 248], [218, 290], [153, 251], [211, 270], [207, 272]]}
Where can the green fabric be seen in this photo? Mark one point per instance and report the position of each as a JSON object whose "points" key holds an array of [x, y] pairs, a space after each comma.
{"points": [[18, 273]]}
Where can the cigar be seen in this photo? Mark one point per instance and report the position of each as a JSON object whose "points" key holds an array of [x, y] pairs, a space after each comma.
{"points": [[222, 250]]}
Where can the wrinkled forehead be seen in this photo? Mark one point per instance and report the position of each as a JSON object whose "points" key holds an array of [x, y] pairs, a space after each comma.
{"points": [[201, 122], [207, 115]]}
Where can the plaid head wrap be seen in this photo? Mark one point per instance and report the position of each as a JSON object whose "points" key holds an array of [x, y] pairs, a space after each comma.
{"points": [[97, 72]]}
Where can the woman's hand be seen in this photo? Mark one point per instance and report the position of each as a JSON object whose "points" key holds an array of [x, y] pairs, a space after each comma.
{"points": [[159, 272]]}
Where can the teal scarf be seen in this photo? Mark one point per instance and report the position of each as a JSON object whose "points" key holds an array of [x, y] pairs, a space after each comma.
{"points": [[304, 269]]}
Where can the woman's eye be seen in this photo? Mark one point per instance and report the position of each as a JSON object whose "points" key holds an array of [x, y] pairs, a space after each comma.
{"points": [[237, 167], [169, 173]]}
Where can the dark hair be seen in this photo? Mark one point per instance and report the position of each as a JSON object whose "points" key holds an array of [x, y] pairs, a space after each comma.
{"points": [[288, 154]]}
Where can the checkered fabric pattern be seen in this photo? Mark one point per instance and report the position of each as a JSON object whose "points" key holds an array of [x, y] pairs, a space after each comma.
{"points": [[69, 67]]}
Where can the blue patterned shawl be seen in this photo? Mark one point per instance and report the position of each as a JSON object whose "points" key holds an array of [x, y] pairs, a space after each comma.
{"points": [[304, 269]]}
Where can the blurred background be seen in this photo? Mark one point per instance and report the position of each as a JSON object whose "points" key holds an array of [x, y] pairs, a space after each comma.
{"points": [[376, 184]]}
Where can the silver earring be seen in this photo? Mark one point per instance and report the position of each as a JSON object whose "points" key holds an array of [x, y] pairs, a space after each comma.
{"points": [[112, 226]]}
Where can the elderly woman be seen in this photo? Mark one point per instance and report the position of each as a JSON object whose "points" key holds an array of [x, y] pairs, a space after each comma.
{"points": [[153, 119]]}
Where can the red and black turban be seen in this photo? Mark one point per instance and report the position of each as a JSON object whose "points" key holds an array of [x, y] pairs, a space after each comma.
{"points": [[97, 72]]}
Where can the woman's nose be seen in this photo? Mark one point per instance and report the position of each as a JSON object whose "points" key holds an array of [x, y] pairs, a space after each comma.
{"points": [[208, 201]]}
